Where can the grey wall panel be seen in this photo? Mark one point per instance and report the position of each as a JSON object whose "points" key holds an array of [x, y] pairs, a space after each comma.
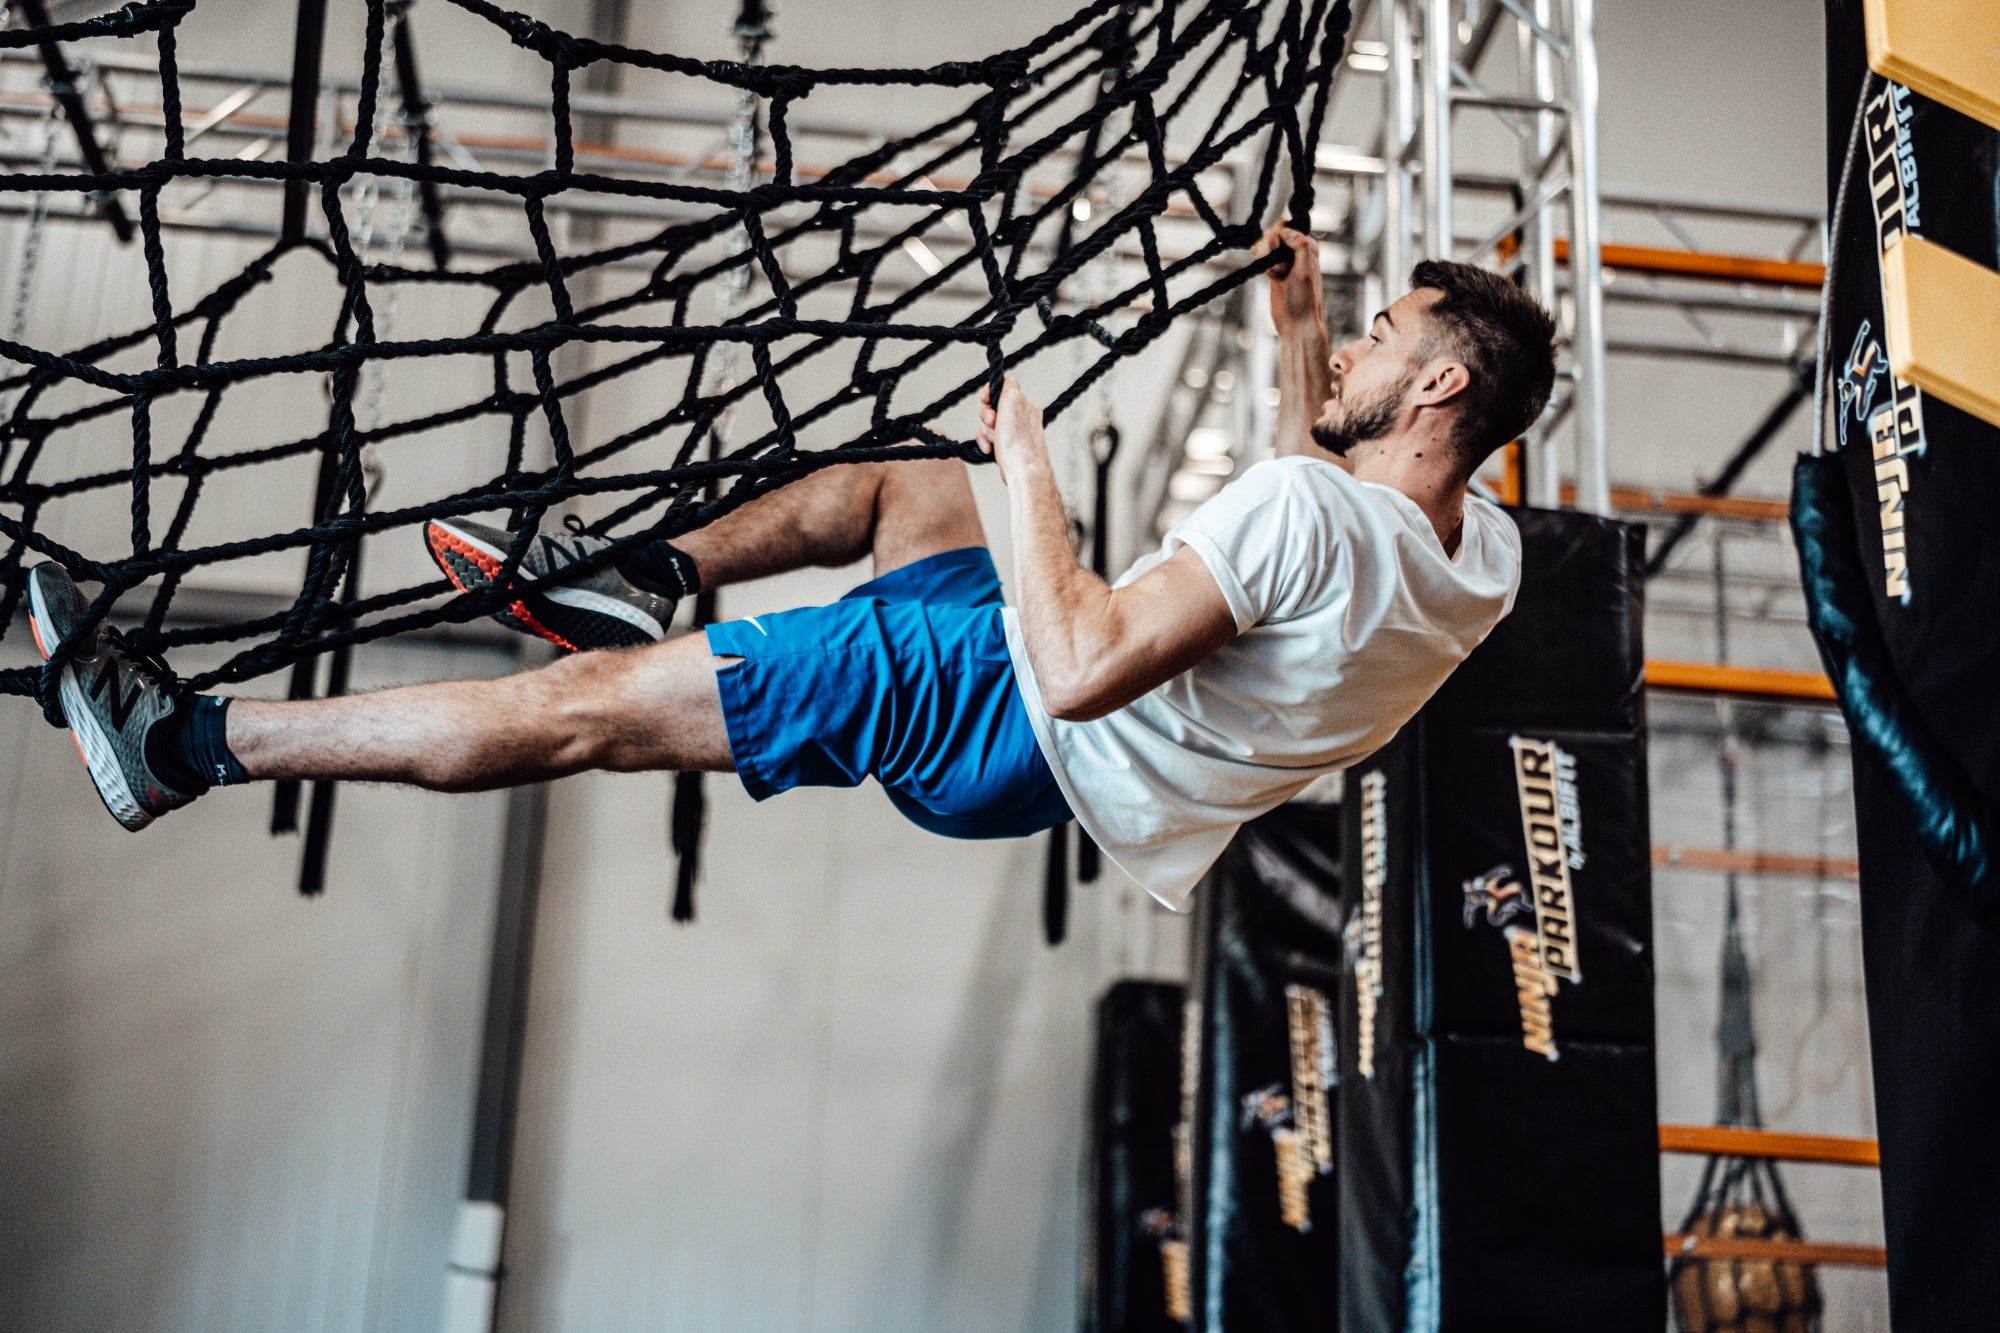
{"points": [[851, 1096], [223, 1107]]}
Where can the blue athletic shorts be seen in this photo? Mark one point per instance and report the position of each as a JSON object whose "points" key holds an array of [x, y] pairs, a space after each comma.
{"points": [[905, 680]]}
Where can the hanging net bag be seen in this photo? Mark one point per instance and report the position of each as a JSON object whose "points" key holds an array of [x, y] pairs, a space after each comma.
{"points": [[1740, 1198]]}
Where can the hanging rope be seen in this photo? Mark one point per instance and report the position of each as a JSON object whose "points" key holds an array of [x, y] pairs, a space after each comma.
{"points": [[1227, 83], [374, 377], [1102, 448], [689, 811]]}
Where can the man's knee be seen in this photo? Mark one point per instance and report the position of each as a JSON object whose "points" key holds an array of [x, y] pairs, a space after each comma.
{"points": [[639, 709], [924, 506], [590, 697], [931, 485]]}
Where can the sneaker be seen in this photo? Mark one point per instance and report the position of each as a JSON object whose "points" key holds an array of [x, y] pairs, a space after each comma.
{"points": [[600, 609], [111, 698]]}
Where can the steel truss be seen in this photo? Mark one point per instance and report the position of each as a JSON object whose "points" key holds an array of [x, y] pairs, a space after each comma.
{"points": [[1530, 66]]}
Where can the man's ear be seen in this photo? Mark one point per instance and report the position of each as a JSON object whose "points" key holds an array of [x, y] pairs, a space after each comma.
{"points": [[1440, 383]]}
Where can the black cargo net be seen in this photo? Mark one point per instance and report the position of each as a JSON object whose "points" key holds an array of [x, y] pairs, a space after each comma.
{"points": [[1237, 87]]}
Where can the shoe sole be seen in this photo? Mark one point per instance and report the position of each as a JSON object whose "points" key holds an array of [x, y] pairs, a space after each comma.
{"points": [[100, 759], [574, 619]]}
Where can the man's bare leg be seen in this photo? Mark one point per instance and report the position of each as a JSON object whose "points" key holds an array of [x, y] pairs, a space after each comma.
{"points": [[623, 710], [898, 512], [644, 708]]}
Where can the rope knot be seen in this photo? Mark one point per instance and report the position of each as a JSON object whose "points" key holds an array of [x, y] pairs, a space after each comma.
{"points": [[551, 44], [147, 647], [1005, 71]]}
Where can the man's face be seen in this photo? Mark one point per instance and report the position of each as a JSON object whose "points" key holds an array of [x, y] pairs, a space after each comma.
{"points": [[1372, 375]]}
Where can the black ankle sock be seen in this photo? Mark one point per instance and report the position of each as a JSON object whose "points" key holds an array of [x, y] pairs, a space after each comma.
{"points": [[187, 749], [661, 569]]}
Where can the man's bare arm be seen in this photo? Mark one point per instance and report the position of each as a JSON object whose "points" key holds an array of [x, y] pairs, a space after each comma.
{"points": [[1094, 648], [1298, 309]]}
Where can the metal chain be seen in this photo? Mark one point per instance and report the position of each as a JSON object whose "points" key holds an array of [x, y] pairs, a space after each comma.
{"points": [[734, 289], [31, 244], [402, 195]]}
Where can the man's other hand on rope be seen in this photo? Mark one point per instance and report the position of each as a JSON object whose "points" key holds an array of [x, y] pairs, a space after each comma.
{"points": [[1094, 648], [1298, 310]]}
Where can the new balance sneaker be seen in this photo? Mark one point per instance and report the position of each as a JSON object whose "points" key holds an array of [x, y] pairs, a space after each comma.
{"points": [[596, 609], [111, 698]]}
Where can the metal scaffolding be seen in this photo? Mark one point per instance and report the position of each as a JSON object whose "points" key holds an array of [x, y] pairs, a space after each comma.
{"points": [[1531, 66]]}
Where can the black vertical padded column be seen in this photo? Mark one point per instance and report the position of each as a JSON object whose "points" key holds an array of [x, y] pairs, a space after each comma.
{"points": [[1262, 1237], [1377, 1027], [1922, 569], [1499, 1151], [473, 1271], [1135, 1102]]}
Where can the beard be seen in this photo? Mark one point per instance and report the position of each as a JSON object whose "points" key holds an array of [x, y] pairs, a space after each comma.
{"points": [[1348, 423]]}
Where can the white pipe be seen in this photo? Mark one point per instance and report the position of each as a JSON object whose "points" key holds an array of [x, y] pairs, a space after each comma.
{"points": [[1436, 85], [1544, 488], [472, 1277], [1586, 266], [1400, 91]]}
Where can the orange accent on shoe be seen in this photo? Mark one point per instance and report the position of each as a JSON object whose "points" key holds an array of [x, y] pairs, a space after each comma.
{"points": [[74, 739], [490, 567], [520, 611], [442, 539]]}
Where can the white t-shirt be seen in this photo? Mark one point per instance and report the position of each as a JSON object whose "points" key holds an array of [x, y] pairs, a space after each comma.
{"points": [[1349, 615]]}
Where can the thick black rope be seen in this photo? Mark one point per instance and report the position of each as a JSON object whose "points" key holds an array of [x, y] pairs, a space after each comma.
{"points": [[1107, 86]]}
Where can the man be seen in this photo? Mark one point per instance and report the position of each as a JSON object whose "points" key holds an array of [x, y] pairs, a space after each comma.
{"points": [[1286, 629]]}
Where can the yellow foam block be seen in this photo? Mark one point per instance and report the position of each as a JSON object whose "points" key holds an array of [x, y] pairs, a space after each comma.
{"points": [[1948, 50], [1943, 313]]}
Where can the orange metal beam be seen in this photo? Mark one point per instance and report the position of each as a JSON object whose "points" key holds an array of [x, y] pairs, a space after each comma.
{"points": [[1648, 500], [1653, 500], [1701, 264], [1510, 473], [1748, 682], [1838, 1254], [1722, 860], [1735, 1141], [583, 147]]}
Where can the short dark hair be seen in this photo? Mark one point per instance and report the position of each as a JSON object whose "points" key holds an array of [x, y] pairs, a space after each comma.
{"points": [[1505, 338]]}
